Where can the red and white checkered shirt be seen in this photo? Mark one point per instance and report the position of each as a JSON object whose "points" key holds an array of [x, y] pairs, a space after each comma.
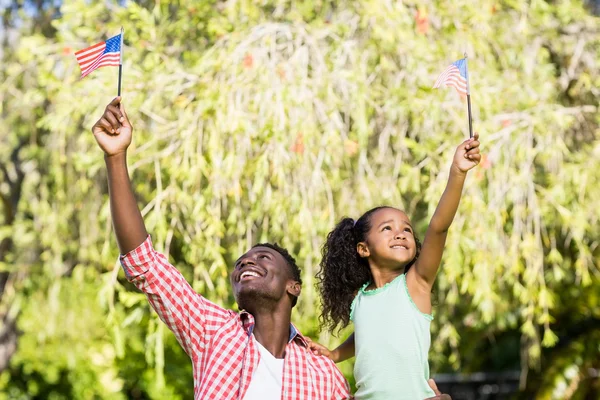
{"points": [[220, 343]]}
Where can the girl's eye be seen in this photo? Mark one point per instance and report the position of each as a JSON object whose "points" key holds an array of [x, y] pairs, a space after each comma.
{"points": [[386, 228], [408, 230]]}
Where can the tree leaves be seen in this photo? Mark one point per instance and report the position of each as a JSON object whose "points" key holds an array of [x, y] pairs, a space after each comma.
{"points": [[269, 122]]}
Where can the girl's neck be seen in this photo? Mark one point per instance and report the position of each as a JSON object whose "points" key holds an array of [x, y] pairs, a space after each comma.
{"points": [[383, 276]]}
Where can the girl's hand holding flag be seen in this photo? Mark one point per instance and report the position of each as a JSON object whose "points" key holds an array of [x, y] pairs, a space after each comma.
{"points": [[467, 155]]}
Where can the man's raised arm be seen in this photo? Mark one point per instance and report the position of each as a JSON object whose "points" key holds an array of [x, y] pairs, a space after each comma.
{"points": [[184, 311], [113, 132]]}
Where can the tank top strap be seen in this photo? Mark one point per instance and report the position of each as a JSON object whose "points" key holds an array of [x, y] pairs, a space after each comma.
{"points": [[358, 294]]}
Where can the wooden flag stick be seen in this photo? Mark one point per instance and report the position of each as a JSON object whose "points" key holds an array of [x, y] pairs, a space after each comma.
{"points": [[121, 63], [468, 97]]}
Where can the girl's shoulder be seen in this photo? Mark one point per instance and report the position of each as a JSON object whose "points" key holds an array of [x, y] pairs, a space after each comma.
{"points": [[353, 304]]}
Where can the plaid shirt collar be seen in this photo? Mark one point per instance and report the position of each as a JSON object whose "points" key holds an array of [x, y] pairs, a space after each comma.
{"points": [[248, 323]]}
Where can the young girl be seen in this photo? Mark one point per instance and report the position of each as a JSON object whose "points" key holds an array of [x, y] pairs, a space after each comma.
{"points": [[376, 274]]}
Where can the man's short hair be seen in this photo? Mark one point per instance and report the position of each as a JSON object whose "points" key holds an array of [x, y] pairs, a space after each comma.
{"points": [[291, 262]]}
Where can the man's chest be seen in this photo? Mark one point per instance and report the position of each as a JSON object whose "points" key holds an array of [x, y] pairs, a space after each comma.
{"points": [[230, 362]]}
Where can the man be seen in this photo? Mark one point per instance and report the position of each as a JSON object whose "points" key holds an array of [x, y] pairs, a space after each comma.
{"points": [[254, 354]]}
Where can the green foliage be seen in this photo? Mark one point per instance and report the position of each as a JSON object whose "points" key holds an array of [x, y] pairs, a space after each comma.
{"points": [[268, 121]]}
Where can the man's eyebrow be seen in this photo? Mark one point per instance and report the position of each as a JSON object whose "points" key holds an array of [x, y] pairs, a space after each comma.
{"points": [[265, 250], [259, 249]]}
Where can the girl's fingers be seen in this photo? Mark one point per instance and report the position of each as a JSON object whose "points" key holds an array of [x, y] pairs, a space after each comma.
{"points": [[472, 145], [433, 386], [471, 153], [475, 157]]}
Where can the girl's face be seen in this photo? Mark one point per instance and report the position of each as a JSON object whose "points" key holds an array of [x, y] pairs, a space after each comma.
{"points": [[390, 243]]}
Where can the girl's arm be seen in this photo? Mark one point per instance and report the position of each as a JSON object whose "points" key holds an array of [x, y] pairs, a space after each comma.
{"points": [[343, 352], [466, 157]]}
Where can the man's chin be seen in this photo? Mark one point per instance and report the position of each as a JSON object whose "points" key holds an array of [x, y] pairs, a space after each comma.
{"points": [[250, 298], [247, 297]]}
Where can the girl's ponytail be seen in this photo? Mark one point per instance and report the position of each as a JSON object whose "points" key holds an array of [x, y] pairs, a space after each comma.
{"points": [[342, 273]]}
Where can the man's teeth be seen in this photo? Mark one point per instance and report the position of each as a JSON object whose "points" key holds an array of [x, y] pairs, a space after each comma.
{"points": [[249, 273]]}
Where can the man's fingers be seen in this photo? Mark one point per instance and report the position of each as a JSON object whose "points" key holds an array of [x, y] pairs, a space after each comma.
{"points": [[116, 111], [112, 119], [105, 125], [115, 102], [125, 120]]}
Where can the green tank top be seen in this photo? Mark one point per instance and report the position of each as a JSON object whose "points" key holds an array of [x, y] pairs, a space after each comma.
{"points": [[392, 340]]}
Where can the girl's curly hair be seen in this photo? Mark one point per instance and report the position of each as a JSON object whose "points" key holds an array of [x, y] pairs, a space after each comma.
{"points": [[343, 272]]}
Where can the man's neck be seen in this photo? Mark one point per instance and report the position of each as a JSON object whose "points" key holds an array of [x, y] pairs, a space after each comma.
{"points": [[272, 330]]}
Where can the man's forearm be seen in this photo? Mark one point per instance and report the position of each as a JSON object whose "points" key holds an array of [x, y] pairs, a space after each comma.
{"points": [[127, 219]]}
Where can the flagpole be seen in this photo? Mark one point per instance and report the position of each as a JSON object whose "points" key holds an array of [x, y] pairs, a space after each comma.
{"points": [[468, 96], [121, 63]]}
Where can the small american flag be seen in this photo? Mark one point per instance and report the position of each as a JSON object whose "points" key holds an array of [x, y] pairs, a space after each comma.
{"points": [[102, 54], [456, 76]]}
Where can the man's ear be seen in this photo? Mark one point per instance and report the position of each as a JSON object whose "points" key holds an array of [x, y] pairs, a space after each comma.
{"points": [[294, 288], [363, 249]]}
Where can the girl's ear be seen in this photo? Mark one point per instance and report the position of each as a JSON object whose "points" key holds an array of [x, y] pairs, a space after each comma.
{"points": [[363, 250]]}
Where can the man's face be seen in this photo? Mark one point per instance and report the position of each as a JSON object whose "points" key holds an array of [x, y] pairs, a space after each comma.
{"points": [[262, 276]]}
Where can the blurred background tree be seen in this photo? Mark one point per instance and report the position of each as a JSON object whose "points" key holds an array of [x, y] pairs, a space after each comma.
{"points": [[270, 121]]}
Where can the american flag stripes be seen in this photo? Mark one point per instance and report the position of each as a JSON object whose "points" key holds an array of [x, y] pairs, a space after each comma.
{"points": [[456, 76], [102, 54]]}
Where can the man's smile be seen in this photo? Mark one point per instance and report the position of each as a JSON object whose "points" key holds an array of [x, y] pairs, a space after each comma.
{"points": [[248, 275], [249, 272]]}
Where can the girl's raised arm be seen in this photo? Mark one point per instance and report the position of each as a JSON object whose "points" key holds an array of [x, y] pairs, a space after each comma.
{"points": [[465, 158]]}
